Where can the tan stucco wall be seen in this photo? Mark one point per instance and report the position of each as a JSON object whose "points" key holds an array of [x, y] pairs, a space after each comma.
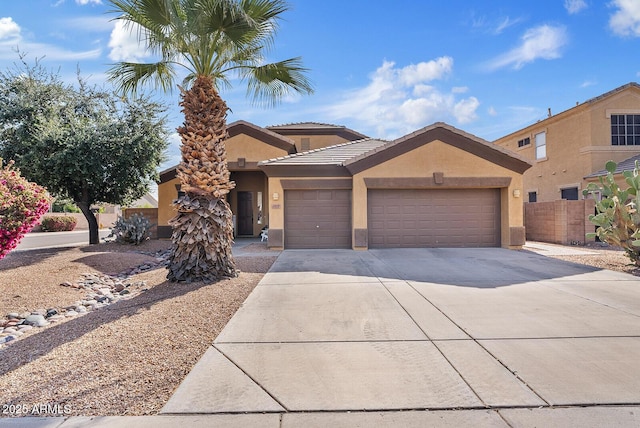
{"points": [[167, 193], [578, 143], [316, 141], [252, 149]]}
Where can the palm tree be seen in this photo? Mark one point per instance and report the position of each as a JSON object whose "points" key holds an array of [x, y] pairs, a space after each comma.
{"points": [[214, 40]]}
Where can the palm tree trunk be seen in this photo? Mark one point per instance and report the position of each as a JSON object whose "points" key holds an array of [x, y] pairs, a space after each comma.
{"points": [[202, 230]]}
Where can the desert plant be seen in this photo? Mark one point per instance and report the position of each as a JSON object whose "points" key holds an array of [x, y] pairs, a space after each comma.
{"points": [[132, 230], [58, 223], [22, 203], [617, 215]]}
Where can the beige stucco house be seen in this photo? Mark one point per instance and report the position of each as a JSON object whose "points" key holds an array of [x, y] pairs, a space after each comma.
{"points": [[568, 148], [436, 187]]}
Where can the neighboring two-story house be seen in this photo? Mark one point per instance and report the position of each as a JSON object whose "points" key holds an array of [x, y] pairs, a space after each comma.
{"points": [[569, 148]]}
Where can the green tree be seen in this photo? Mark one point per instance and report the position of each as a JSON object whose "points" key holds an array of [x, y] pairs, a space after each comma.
{"points": [[214, 41], [82, 143]]}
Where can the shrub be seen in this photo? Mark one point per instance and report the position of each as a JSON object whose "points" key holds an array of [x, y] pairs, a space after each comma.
{"points": [[22, 203], [617, 215], [58, 223], [133, 230], [64, 206]]}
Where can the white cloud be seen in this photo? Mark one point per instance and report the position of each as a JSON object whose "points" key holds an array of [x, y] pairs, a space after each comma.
{"points": [[626, 20], [465, 110], [9, 29], [492, 111], [575, 6], [426, 71], [459, 89], [397, 100], [11, 39], [505, 23], [543, 42], [125, 45], [86, 2], [588, 83]]}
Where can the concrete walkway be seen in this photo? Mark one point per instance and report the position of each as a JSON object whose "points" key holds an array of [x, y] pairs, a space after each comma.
{"points": [[418, 337]]}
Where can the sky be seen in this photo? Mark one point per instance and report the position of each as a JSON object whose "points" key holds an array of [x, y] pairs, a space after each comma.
{"points": [[384, 68]]}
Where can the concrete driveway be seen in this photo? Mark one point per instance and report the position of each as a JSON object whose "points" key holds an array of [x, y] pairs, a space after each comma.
{"points": [[425, 337]]}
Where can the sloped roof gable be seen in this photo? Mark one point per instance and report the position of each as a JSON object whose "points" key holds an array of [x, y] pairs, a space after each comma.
{"points": [[447, 134]]}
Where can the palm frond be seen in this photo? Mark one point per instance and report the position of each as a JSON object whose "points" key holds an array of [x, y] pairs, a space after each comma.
{"points": [[270, 83], [128, 77]]}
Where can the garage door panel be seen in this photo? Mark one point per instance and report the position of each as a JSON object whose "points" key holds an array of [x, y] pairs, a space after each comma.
{"points": [[317, 218], [434, 218]]}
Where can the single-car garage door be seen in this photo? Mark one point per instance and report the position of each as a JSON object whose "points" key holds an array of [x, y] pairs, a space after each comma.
{"points": [[317, 219], [434, 218]]}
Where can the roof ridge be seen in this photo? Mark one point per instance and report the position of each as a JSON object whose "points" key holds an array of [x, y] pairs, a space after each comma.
{"points": [[320, 149], [304, 123], [613, 91]]}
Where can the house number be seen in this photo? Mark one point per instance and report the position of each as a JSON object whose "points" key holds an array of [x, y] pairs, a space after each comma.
{"points": [[275, 206]]}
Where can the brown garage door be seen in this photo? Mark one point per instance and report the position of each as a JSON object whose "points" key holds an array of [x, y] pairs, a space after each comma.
{"points": [[317, 219], [434, 218]]}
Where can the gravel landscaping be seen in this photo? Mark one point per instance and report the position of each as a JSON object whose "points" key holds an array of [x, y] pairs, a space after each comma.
{"points": [[126, 355], [116, 337]]}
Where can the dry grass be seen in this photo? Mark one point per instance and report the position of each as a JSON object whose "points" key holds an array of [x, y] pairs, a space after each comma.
{"points": [[124, 359]]}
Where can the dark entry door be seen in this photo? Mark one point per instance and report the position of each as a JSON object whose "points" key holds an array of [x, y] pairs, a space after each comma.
{"points": [[245, 213]]}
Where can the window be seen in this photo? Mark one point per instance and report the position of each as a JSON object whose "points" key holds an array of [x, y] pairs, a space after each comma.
{"points": [[541, 145], [533, 196], [625, 129], [570, 193], [524, 142]]}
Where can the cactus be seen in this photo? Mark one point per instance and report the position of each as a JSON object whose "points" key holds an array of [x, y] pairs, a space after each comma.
{"points": [[133, 230], [617, 218]]}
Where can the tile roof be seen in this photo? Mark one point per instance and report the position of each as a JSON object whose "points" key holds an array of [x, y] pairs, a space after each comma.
{"points": [[332, 155], [625, 165]]}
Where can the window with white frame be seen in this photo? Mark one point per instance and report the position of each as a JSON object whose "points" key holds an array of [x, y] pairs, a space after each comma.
{"points": [[541, 145], [625, 129]]}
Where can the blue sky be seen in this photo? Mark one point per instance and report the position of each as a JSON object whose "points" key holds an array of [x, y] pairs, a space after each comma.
{"points": [[387, 67]]}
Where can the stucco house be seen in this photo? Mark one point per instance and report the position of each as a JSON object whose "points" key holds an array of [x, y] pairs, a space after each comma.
{"points": [[568, 149], [436, 187]]}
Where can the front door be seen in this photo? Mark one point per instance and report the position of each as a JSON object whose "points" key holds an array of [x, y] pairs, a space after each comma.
{"points": [[245, 213]]}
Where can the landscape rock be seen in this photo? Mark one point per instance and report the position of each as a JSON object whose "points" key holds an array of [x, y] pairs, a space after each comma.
{"points": [[103, 290], [36, 320]]}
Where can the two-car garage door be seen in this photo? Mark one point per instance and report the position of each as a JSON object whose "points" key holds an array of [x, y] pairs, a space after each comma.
{"points": [[434, 218]]}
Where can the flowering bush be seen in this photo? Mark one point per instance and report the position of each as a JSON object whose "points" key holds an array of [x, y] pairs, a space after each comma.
{"points": [[58, 223], [22, 203]]}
